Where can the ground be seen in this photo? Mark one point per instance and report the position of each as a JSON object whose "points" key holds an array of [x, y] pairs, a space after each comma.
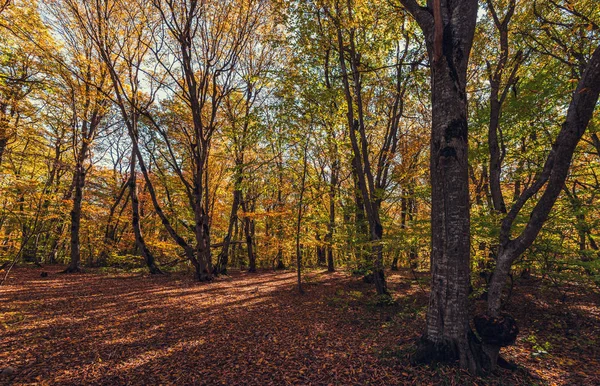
{"points": [[254, 329]]}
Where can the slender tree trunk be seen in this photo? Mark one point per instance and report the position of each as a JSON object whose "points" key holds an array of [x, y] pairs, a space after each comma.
{"points": [[331, 226], [223, 258], [299, 217], [495, 158], [4, 133], [552, 177], [360, 150], [280, 264], [320, 250], [249, 242], [78, 183], [403, 216], [3, 142], [499, 88], [413, 254], [110, 230], [235, 249], [394, 266], [135, 222]]}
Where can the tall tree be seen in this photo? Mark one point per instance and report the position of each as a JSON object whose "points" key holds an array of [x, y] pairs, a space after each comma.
{"points": [[86, 81], [550, 181], [449, 28]]}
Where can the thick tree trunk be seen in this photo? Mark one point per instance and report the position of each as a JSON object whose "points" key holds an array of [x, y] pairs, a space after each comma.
{"points": [[376, 231], [449, 29], [279, 258], [202, 250]]}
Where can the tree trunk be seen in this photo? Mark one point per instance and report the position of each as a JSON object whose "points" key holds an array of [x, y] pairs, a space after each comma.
{"points": [[223, 258], [280, 264], [111, 229], [331, 224], [321, 251], [299, 217], [495, 158], [135, 222], [3, 142], [279, 257], [249, 245], [394, 266], [78, 183], [449, 29], [203, 256], [413, 253]]}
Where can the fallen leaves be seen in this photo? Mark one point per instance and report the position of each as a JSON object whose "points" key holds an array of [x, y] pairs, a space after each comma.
{"points": [[94, 329]]}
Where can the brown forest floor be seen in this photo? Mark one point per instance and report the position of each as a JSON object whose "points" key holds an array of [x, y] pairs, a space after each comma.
{"points": [[255, 329]]}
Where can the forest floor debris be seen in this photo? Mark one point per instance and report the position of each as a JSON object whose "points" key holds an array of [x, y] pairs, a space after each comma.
{"points": [[254, 329]]}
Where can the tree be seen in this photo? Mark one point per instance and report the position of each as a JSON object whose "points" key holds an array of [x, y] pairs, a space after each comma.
{"points": [[85, 78], [449, 30], [551, 181], [208, 40], [118, 34]]}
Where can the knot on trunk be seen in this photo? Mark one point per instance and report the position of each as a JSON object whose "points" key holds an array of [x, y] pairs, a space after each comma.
{"points": [[499, 331]]}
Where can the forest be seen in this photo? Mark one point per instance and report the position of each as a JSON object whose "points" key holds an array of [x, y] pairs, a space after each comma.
{"points": [[323, 192]]}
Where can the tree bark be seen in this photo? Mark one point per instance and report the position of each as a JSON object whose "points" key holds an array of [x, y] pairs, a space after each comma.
{"points": [[223, 258], [111, 229], [299, 217], [331, 223], [449, 30], [78, 183], [249, 239], [135, 222]]}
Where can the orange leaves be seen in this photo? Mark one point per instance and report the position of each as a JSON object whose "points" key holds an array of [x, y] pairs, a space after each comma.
{"points": [[100, 329]]}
